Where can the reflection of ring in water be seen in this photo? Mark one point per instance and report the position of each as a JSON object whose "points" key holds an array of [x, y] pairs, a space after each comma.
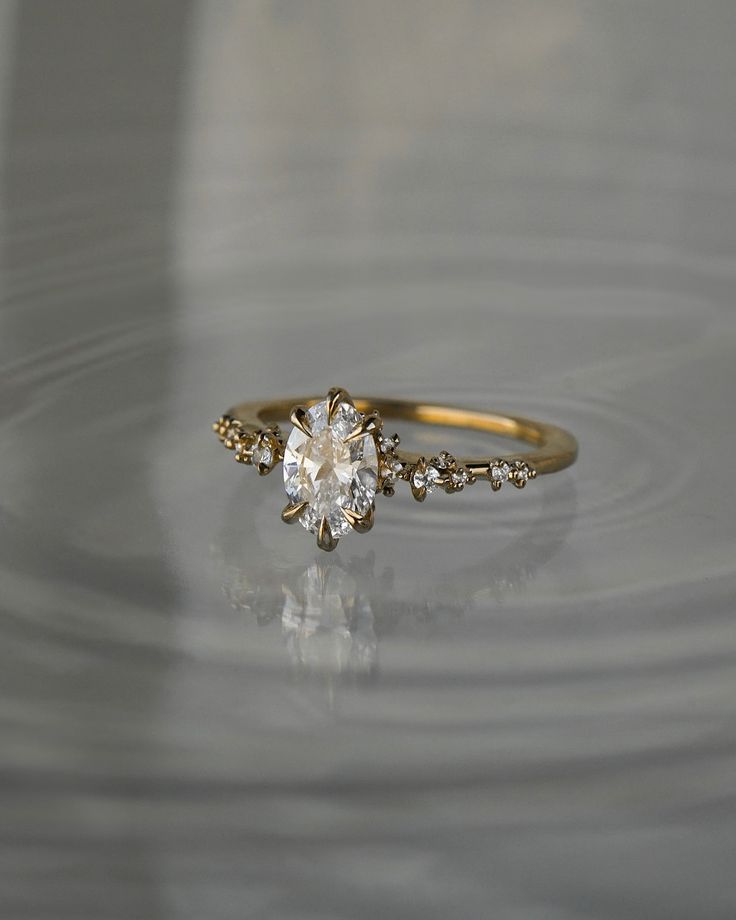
{"points": [[334, 611], [328, 620]]}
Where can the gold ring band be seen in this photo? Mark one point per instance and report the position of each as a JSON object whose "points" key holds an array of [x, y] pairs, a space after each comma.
{"points": [[337, 458]]}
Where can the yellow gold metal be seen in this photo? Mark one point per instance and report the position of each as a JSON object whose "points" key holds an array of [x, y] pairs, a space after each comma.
{"points": [[300, 419], [292, 513], [370, 424], [244, 453], [335, 396], [360, 523], [553, 448], [325, 540]]}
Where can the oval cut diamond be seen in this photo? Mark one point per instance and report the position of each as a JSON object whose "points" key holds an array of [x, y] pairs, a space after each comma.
{"points": [[328, 472]]}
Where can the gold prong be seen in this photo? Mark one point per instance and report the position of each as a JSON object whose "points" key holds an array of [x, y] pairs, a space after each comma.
{"points": [[244, 454], [496, 484], [532, 474], [519, 483], [419, 492], [361, 523], [368, 519], [300, 420], [370, 424], [352, 517], [264, 468], [325, 540], [221, 426], [292, 513], [335, 396]]}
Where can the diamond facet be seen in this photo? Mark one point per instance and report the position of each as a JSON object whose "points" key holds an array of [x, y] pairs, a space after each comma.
{"points": [[460, 478], [263, 453], [444, 461], [521, 474], [329, 472], [389, 443], [500, 471], [426, 479]]}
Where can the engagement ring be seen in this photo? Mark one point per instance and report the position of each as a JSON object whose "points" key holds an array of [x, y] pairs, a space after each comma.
{"points": [[336, 457]]}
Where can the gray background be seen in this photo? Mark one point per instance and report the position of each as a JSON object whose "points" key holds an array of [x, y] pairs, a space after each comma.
{"points": [[517, 706]]}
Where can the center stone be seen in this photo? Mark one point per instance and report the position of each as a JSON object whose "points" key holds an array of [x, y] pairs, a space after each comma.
{"points": [[329, 472]]}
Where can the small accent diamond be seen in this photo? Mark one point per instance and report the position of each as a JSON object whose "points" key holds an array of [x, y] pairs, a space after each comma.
{"points": [[389, 443], [460, 478], [498, 473], [263, 453], [266, 450], [521, 474], [444, 461], [426, 478]]}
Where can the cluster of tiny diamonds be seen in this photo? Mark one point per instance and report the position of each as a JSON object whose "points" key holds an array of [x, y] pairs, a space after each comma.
{"points": [[262, 448], [444, 471], [517, 472], [390, 467]]}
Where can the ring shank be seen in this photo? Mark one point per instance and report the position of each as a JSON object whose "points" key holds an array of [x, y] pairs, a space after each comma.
{"points": [[555, 448]]}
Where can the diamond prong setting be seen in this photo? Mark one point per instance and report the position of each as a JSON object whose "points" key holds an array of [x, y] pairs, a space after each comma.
{"points": [[334, 469]]}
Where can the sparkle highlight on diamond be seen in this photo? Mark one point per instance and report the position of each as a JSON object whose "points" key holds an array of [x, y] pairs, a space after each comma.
{"points": [[327, 471]]}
